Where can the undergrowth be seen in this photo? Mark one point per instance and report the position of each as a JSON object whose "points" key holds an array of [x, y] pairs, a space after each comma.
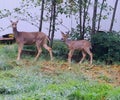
{"points": [[25, 80]]}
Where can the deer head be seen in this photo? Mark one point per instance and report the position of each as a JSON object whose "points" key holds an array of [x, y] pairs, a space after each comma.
{"points": [[64, 36], [14, 24]]}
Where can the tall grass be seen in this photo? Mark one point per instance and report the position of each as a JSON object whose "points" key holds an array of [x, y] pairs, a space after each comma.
{"points": [[25, 80]]}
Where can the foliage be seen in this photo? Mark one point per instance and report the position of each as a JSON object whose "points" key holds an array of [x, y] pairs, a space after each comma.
{"points": [[29, 47], [75, 33], [94, 92], [114, 94], [60, 50], [106, 46], [102, 48], [28, 11]]}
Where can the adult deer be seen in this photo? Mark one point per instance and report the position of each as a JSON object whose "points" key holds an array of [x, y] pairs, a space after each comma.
{"points": [[29, 38], [82, 45]]}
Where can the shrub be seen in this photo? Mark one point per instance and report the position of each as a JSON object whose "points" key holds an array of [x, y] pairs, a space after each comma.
{"points": [[106, 46], [60, 50]]}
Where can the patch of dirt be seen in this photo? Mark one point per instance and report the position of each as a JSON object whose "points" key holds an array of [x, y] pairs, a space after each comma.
{"points": [[105, 74], [109, 74]]}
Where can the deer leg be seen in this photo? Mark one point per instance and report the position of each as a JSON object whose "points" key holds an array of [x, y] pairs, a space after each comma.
{"points": [[49, 50], [39, 51], [90, 54], [83, 57], [20, 47], [70, 55], [38, 54]]}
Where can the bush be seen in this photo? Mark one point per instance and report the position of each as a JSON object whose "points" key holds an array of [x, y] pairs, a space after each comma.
{"points": [[60, 50], [106, 46]]}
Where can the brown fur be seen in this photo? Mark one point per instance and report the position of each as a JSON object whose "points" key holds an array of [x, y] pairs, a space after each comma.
{"points": [[29, 38], [82, 45]]}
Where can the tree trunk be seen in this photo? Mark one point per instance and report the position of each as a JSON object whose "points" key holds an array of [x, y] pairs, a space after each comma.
{"points": [[86, 7], [41, 16], [94, 17], [84, 17], [80, 16], [113, 16], [51, 18], [54, 18], [101, 9]]}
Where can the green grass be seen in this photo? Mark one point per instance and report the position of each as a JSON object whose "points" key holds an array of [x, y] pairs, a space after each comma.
{"points": [[24, 80]]}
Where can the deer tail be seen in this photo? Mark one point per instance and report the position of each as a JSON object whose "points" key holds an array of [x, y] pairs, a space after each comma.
{"points": [[90, 46]]}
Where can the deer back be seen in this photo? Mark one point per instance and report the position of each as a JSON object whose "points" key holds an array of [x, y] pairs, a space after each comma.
{"points": [[31, 38], [78, 44]]}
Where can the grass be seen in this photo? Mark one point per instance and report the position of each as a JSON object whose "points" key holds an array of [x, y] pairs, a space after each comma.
{"points": [[26, 80]]}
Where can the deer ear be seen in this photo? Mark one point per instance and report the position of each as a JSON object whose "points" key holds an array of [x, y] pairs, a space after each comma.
{"points": [[17, 21], [11, 21], [62, 33], [67, 34]]}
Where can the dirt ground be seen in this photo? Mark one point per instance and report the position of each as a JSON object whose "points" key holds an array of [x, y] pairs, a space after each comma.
{"points": [[105, 74], [109, 74]]}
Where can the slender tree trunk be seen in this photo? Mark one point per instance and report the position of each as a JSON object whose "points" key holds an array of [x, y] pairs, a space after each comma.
{"points": [[54, 19], [94, 16], [86, 7], [41, 17], [113, 16], [84, 17], [80, 16], [101, 9], [51, 18]]}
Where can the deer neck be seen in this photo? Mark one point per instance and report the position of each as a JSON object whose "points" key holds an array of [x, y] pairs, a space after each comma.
{"points": [[15, 32], [67, 42]]}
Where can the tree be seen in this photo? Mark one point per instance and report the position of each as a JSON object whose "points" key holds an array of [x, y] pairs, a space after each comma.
{"points": [[53, 12], [101, 9], [85, 13], [51, 9], [41, 17], [80, 10], [80, 17], [94, 16], [50, 24], [113, 16]]}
